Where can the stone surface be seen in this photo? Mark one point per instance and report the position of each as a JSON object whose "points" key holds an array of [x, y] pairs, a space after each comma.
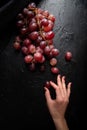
{"points": [[22, 100]]}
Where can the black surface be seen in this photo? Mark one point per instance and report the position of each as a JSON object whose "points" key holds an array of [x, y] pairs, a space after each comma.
{"points": [[22, 101]]}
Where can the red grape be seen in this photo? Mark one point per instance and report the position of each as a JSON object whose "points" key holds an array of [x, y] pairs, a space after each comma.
{"points": [[51, 17], [28, 58], [39, 10], [27, 42], [24, 50], [44, 22], [31, 5], [43, 59], [47, 50], [32, 66], [18, 39], [53, 61], [47, 84], [23, 30], [38, 40], [43, 44], [20, 16], [25, 10], [46, 13], [32, 26], [30, 14], [54, 70], [17, 45], [48, 28], [33, 35], [68, 56], [39, 16], [38, 49], [31, 49], [49, 35], [55, 51], [20, 23], [38, 56]]}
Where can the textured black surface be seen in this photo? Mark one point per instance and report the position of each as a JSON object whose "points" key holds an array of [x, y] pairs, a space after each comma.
{"points": [[22, 101]]}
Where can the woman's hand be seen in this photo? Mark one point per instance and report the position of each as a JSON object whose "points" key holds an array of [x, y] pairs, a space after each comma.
{"points": [[57, 107]]}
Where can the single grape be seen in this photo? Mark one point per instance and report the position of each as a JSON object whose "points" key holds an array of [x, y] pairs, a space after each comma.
{"points": [[28, 58], [39, 17], [44, 22], [43, 44], [17, 45], [32, 26], [20, 23], [38, 40], [50, 42], [51, 17], [27, 42], [32, 48], [68, 56], [47, 50], [53, 61], [38, 56], [24, 50], [49, 35], [18, 39], [55, 52], [50, 55], [32, 67], [23, 30], [39, 11], [54, 70], [20, 16], [31, 5], [25, 10], [30, 14], [43, 59], [47, 84], [46, 13], [33, 35], [38, 49], [47, 28]]}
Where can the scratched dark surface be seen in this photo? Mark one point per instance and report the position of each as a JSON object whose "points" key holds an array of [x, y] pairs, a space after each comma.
{"points": [[22, 101]]}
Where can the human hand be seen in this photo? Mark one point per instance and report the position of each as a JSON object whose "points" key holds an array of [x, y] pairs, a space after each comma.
{"points": [[57, 106]]}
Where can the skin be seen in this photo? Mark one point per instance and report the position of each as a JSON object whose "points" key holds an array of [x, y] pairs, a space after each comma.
{"points": [[57, 107]]}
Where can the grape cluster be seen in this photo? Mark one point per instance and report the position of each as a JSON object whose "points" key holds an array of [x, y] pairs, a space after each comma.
{"points": [[35, 38]]}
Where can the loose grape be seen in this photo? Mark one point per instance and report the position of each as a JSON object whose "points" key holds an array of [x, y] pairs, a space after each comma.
{"points": [[54, 70], [68, 56]]}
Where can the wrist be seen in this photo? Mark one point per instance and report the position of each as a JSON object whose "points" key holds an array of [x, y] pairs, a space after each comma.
{"points": [[61, 124]]}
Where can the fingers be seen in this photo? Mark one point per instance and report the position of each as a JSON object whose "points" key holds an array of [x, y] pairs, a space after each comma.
{"points": [[60, 88], [63, 85], [59, 82], [47, 94], [55, 86], [69, 89]]}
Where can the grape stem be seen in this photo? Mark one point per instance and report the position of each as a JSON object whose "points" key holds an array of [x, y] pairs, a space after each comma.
{"points": [[40, 29]]}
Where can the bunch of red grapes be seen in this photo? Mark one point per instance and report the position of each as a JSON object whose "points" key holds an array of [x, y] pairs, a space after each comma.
{"points": [[35, 38]]}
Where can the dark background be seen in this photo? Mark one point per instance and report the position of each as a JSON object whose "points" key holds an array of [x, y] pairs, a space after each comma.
{"points": [[22, 101]]}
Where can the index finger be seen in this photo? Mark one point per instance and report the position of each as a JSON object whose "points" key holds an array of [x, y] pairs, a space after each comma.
{"points": [[56, 87]]}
